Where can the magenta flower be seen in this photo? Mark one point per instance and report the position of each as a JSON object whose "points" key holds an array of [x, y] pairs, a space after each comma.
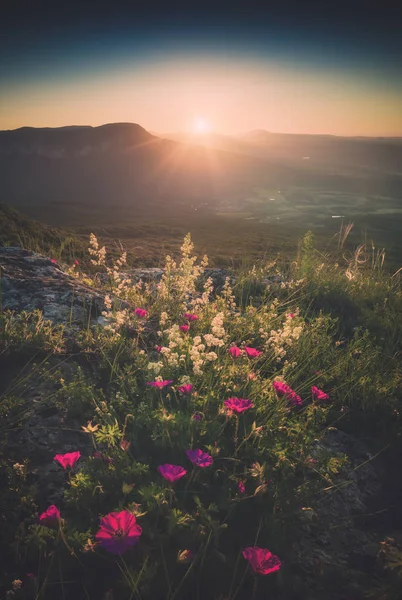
{"points": [[252, 352], [238, 405], [184, 328], [187, 388], [53, 261], [234, 351], [241, 488], [284, 390], [141, 312], [160, 384], [319, 394], [261, 560], [196, 417], [50, 517], [118, 532], [199, 458], [158, 348], [171, 472], [191, 317], [290, 315], [67, 460], [76, 263]]}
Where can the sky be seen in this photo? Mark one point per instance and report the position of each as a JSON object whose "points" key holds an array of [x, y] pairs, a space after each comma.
{"points": [[284, 66]]}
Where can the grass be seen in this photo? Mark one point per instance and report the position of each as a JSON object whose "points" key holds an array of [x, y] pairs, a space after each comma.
{"points": [[333, 321]]}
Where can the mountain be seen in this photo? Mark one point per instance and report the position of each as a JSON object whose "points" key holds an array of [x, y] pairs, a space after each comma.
{"points": [[121, 164]]}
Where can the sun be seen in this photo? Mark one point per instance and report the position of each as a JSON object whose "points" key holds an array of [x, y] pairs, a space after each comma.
{"points": [[202, 125]]}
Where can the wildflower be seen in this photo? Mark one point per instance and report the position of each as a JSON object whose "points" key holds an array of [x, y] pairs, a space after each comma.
{"points": [[184, 328], [191, 317], [241, 488], [53, 261], [290, 315], [50, 517], [67, 460], [186, 388], [238, 405], [141, 312], [196, 417], [160, 384], [252, 352], [199, 458], [234, 351], [319, 394], [283, 389], [76, 263], [158, 348], [118, 531], [261, 560], [125, 445], [171, 472], [184, 556]]}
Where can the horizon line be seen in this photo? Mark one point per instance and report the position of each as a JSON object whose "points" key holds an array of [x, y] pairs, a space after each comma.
{"points": [[203, 135]]}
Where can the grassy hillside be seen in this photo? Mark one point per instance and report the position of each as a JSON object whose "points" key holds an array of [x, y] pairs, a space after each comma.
{"points": [[18, 230], [197, 426]]}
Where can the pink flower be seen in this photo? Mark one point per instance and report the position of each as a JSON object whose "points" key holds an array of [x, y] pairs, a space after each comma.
{"points": [[76, 263], [53, 261], [158, 348], [234, 351], [190, 317], [141, 312], [319, 394], [160, 384], [184, 328], [252, 352], [186, 388], [199, 458], [118, 532], [238, 405], [196, 417], [261, 560], [171, 472], [283, 389], [241, 488], [50, 517], [290, 315], [67, 460]]}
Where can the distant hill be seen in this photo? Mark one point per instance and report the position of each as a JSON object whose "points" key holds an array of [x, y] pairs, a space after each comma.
{"points": [[120, 164], [123, 165]]}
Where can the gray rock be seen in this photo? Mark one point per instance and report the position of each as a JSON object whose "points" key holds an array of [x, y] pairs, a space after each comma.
{"points": [[30, 281]]}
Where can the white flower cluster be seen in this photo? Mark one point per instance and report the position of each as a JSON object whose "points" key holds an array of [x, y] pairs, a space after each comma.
{"points": [[198, 303], [99, 254], [282, 339], [199, 356], [227, 294], [155, 367], [179, 281]]}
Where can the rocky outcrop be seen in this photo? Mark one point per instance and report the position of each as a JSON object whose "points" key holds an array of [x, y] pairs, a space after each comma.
{"points": [[30, 281]]}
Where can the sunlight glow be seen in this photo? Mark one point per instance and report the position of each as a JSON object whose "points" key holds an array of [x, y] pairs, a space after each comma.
{"points": [[202, 126]]}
